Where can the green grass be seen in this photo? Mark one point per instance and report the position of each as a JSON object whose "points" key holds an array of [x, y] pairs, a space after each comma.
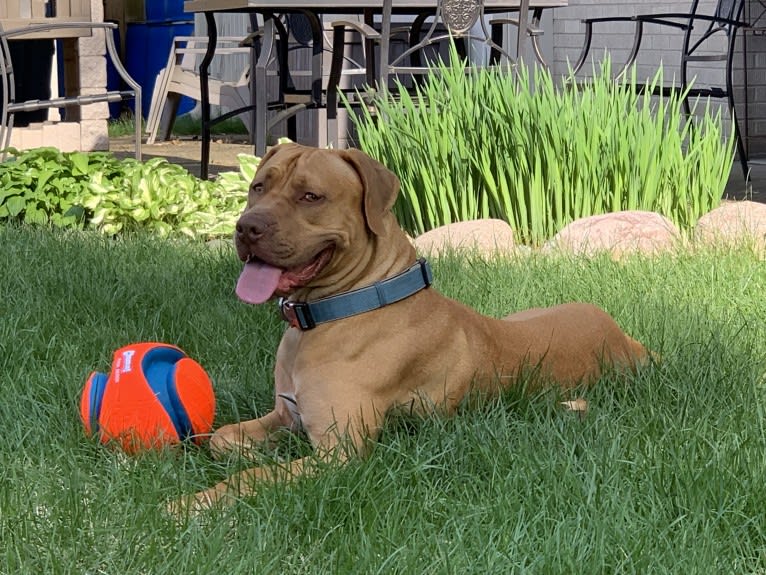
{"points": [[665, 474], [185, 125]]}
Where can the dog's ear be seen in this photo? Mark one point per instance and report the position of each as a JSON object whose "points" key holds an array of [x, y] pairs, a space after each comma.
{"points": [[380, 187]]}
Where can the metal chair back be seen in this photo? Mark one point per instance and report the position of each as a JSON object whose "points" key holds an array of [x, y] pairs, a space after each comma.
{"points": [[453, 20], [709, 35]]}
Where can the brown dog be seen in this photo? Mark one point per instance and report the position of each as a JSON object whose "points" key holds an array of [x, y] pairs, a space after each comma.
{"points": [[318, 223]]}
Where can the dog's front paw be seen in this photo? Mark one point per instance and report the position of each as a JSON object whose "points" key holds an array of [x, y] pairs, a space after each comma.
{"points": [[222, 443], [231, 439], [196, 503]]}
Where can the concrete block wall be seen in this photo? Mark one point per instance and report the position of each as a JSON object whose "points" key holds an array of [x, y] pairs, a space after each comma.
{"points": [[88, 129], [753, 112]]}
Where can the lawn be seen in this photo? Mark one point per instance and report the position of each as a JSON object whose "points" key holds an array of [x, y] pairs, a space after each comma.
{"points": [[664, 474]]}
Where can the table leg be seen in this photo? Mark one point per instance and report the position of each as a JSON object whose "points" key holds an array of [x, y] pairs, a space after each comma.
{"points": [[369, 49], [317, 53], [522, 32], [204, 73], [261, 96]]}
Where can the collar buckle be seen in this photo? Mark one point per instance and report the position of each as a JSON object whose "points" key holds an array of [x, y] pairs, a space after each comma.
{"points": [[297, 314], [425, 269]]}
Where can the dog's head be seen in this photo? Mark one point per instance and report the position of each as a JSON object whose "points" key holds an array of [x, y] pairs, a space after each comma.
{"points": [[313, 215]]}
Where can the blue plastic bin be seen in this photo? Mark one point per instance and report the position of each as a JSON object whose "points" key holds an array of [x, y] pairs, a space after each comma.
{"points": [[165, 11], [147, 46]]}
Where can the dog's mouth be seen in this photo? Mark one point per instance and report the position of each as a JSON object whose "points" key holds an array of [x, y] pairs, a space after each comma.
{"points": [[260, 281]]}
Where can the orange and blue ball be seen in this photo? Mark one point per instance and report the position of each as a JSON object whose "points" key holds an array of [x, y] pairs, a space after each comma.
{"points": [[155, 395]]}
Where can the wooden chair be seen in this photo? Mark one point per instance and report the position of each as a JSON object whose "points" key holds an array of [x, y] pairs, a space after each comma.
{"points": [[181, 78], [706, 37]]}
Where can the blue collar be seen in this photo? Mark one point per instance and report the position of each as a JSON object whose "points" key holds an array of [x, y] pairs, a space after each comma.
{"points": [[307, 315]]}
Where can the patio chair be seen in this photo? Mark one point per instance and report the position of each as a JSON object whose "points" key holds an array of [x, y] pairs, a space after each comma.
{"points": [[455, 21], [279, 36], [180, 78], [707, 37]]}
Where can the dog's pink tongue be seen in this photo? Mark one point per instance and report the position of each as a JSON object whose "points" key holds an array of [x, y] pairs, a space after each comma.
{"points": [[257, 282]]}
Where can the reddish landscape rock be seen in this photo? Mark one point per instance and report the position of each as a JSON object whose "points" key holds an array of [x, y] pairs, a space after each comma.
{"points": [[487, 237], [733, 223], [618, 233]]}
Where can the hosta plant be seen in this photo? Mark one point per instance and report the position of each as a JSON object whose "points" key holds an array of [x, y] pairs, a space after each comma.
{"points": [[45, 186], [99, 191]]}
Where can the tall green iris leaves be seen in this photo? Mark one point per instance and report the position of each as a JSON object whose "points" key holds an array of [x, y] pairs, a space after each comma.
{"points": [[493, 144]]}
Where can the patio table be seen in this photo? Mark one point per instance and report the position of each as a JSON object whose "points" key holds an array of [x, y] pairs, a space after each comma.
{"points": [[312, 9]]}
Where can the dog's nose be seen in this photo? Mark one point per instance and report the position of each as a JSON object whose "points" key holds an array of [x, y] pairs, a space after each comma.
{"points": [[248, 232], [249, 228]]}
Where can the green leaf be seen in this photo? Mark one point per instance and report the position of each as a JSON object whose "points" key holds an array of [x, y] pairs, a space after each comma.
{"points": [[9, 191], [32, 215], [76, 213], [247, 166], [15, 205], [79, 163]]}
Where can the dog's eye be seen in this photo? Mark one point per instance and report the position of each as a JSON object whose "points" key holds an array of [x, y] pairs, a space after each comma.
{"points": [[310, 197], [256, 188]]}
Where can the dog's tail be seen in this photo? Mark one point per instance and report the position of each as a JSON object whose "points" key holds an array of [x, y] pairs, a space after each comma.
{"points": [[641, 355]]}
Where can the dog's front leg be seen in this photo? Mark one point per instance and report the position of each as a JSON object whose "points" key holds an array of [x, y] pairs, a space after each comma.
{"points": [[333, 444], [244, 483], [244, 436]]}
